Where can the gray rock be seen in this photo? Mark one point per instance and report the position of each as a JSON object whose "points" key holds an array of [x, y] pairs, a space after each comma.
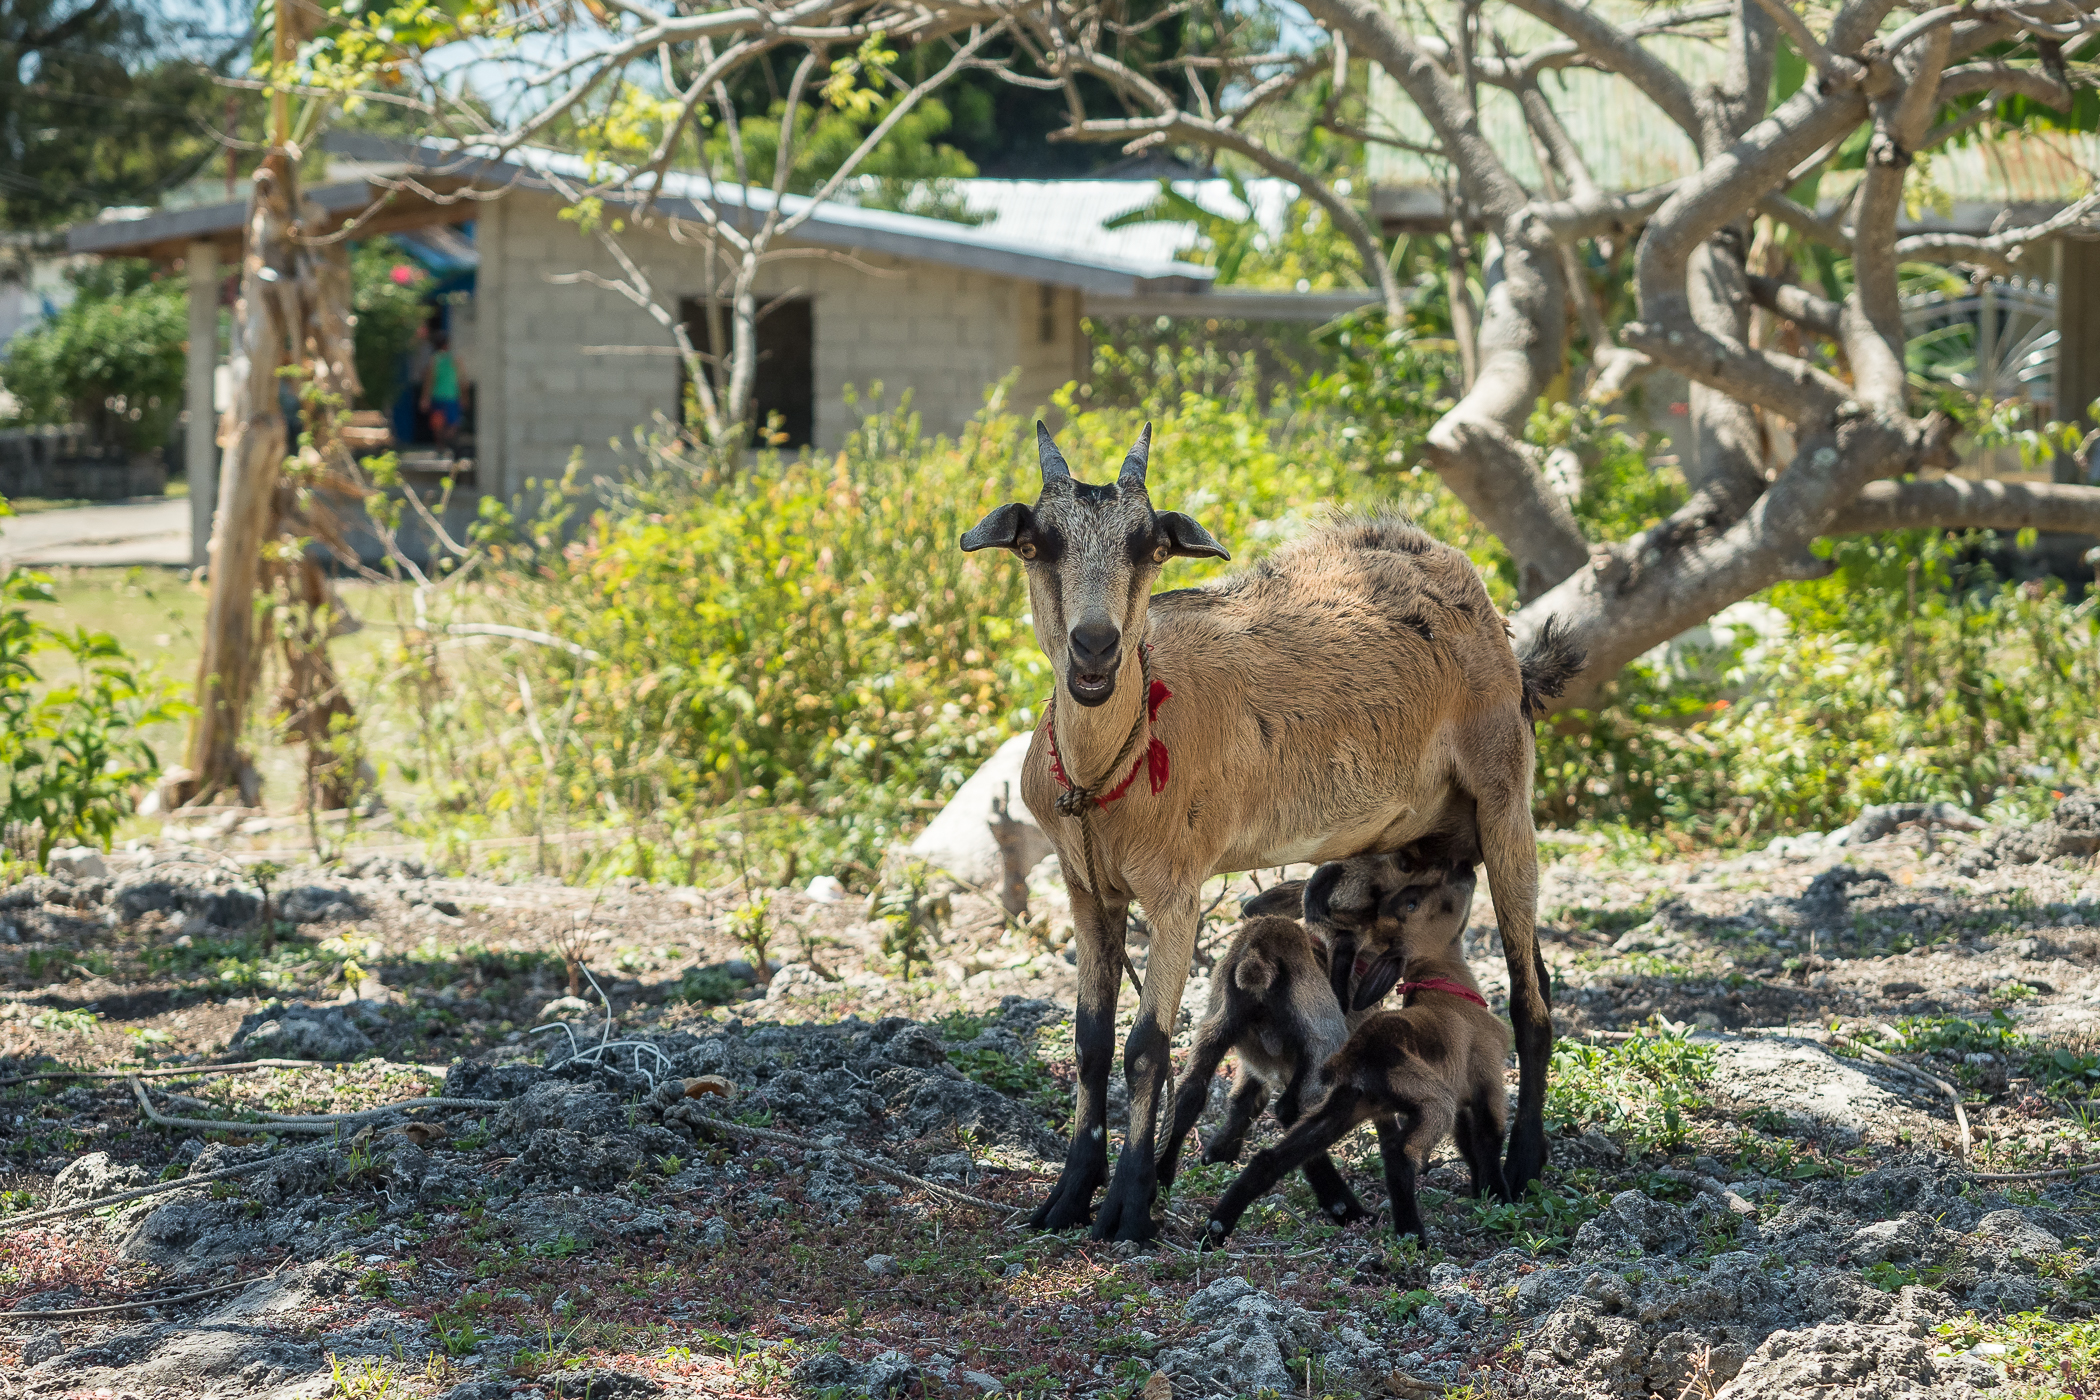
{"points": [[1813, 1089], [311, 904], [40, 1349], [299, 1032], [959, 838], [93, 1177], [602, 1384], [1873, 1362], [2009, 1235], [891, 1373], [1250, 1339], [77, 863]]}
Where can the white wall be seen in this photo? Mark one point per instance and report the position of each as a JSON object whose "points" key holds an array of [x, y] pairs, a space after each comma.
{"points": [[945, 333]]}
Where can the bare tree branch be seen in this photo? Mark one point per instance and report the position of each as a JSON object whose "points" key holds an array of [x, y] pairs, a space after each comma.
{"points": [[1957, 503]]}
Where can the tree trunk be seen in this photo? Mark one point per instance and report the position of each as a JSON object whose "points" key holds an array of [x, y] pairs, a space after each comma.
{"points": [[248, 477]]}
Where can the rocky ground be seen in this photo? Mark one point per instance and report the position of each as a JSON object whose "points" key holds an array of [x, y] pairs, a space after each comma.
{"points": [[1738, 1204]]}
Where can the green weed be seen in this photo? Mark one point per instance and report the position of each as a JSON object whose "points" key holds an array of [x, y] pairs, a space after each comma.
{"points": [[1640, 1089]]}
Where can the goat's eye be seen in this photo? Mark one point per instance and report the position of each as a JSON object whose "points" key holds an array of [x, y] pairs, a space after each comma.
{"points": [[1160, 552], [1026, 549]]}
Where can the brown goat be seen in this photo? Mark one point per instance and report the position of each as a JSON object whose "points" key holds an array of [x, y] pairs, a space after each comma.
{"points": [[1348, 693], [1430, 1069]]}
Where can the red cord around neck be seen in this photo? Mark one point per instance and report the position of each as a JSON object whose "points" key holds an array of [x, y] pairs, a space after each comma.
{"points": [[1153, 759], [1445, 984]]}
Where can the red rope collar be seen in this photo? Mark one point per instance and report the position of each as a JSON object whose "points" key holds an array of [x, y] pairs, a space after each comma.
{"points": [[1153, 760], [1445, 984]]}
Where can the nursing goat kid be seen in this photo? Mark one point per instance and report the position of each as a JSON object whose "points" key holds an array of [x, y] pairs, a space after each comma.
{"points": [[1430, 1069], [1343, 695], [1284, 998]]}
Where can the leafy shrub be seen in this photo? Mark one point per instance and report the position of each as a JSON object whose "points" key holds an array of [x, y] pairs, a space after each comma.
{"points": [[1910, 673], [799, 648], [71, 751], [389, 307], [112, 360], [1639, 1089]]}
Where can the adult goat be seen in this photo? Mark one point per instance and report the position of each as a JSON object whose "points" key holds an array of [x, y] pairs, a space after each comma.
{"points": [[1352, 692]]}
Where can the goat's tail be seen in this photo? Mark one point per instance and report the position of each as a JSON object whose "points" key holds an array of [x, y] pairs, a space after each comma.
{"points": [[1255, 972], [1547, 668]]}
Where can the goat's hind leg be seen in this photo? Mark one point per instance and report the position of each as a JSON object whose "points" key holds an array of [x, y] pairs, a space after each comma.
{"points": [[1337, 1202], [1249, 1097], [1405, 1142], [1194, 1093], [1313, 1135], [1094, 1038], [1479, 1141]]}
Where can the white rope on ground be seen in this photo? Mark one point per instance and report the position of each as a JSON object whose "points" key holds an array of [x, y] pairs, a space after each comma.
{"points": [[8, 1225], [322, 1123], [596, 1054]]}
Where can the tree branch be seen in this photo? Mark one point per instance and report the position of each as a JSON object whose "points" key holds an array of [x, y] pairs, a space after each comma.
{"points": [[1957, 503], [1814, 314]]}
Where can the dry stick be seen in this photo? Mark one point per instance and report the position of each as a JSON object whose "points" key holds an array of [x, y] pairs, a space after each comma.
{"points": [[2075, 1169], [1961, 1119], [23, 1222], [323, 1123], [859, 1159], [51, 1315]]}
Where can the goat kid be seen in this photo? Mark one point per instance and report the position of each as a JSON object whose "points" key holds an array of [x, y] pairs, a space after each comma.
{"points": [[1346, 694], [1430, 1069], [1285, 995]]}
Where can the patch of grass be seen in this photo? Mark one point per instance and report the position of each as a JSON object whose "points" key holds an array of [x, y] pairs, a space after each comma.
{"points": [[2054, 1068], [2046, 1359], [1641, 1089], [1545, 1218], [78, 1020]]}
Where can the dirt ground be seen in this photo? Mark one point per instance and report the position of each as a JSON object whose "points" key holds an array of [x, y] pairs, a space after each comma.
{"points": [[1738, 1203]]}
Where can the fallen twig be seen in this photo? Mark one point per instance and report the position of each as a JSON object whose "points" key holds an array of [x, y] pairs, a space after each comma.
{"points": [[2075, 1169], [237, 1067], [23, 1222], [53, 1314], [299, 1123], [858, 1159], [1961, 1118]]}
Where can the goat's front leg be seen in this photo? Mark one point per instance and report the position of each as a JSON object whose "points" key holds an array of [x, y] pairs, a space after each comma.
{"points": [[1126, 1211], [1100, 929], [1311, 1136]]}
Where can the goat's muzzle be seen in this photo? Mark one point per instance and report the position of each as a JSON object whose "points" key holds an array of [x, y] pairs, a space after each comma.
{"points": [[1095, 653]]}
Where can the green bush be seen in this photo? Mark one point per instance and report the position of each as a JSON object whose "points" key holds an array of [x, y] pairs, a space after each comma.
{"points": [[112, 360], [1910, 673], [797, 657], [69, 752]]}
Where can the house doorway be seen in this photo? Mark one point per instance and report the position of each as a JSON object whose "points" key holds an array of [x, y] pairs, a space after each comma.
{"points": [[784, 391]]}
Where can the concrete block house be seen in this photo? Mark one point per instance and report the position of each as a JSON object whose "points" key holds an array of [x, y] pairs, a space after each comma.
{"points": [[556, 363]]}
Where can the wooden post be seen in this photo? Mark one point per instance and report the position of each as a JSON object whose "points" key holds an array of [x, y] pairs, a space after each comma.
{"points": [[2078, 340], [200, 450]]}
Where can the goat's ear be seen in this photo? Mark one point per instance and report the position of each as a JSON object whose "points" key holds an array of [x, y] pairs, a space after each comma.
{"points": [[1282, 900], [1186, 538], [998, 530], [1319, 892]]}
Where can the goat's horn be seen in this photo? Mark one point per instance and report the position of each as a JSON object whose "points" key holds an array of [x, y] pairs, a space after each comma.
{"points": [[1053, 461], [1133, 473]]}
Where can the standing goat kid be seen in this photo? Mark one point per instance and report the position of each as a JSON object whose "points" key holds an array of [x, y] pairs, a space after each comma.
{"points": [[1432, 1068], [1346, 694]]}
